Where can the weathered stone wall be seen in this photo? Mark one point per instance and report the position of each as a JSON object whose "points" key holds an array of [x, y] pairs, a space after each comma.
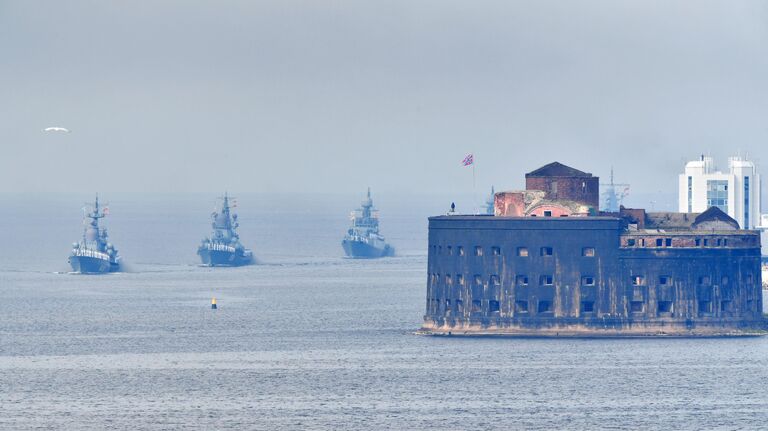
{"points": [[585, 190], [540, 276]]}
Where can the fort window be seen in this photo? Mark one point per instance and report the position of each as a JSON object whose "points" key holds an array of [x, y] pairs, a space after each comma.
{"points": [[636, 306], [704, 280], [521, 306], [642, 242], [460, 279], [725, 242], [546, 251], [665, 279], [587, 306], [706, 242], [668, 242], [698, 242], [460, 250], [547, 213], [638, 280], [705, 306], [448, 280], [522, 280], [725, 305], [545, 280], [478, 280], [665, 306], [658, 242], [495, 280], [495, 251], [478, 250], [447, 305], [522, 251], [631, 242], [717, 242], [476, 306], [449, 250], [588, 251], [493, 306], [588, 281], [545, 307]]}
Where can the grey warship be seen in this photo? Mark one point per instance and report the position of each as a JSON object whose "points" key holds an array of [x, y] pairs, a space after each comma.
{"points": [[363, 240], [94, 254], [223, 248]]}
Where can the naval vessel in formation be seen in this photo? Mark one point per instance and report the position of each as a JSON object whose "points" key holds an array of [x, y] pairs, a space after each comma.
{"points": [[363, 239], [223, 248], [94, 254]]}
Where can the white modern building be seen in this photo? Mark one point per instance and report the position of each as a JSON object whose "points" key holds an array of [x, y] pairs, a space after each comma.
{"points": [[736, 192]]}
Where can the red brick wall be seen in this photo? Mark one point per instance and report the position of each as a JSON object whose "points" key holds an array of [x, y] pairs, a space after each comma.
{"points": [[584, 190]]}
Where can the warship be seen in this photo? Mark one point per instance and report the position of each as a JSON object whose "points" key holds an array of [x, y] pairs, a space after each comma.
{"points": [[223, 248], [94, 254], [363, 239]]}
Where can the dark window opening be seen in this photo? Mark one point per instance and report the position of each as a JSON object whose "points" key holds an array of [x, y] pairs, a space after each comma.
{"points": [[638, 280], [460, 279], [476, 306], [706, 242], [522, 251], [704, 280], [725, 242], [478, 280], [725, 305], [587, 306], [495, 280], [496, 251], [588, 281], [448, 280], [547, 213], [658, 242], [545, 307], [705, 306], [521, 306], [493, 306], [636, 306], [546, 251], [668, 242], [478, 250], [631, 242], [545, 280], [588, 251], [665, 279], [698, 242], [665, 306], [717, 242], [522, 280], [460, 250], [449, 250]]}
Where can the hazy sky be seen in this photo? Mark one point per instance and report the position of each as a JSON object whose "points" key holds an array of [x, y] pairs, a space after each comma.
{"points": [[324, 96]]}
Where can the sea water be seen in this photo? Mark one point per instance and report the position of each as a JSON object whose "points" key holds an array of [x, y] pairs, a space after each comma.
{"points": [[307, 339]]}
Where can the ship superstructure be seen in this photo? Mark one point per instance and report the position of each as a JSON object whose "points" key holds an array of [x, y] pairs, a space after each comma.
{"points": [[363, 239], [94, 254], [223, 248]]}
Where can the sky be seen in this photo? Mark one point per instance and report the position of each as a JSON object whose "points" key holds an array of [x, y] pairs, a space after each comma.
{"points": [[334, 96]]}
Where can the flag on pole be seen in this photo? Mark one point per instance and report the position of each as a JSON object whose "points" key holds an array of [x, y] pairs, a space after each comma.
{"points": [[468, 160]]}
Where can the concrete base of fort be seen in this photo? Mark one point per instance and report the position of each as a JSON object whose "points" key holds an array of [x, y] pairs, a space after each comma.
{"points": [[600, 328]]}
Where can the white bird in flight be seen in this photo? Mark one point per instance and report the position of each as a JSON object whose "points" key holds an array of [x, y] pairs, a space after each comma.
{"points": [[56, 129]]}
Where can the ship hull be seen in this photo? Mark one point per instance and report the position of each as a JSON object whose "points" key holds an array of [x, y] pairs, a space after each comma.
{"points": [[223, 258], [92, 265], [363, 250]]}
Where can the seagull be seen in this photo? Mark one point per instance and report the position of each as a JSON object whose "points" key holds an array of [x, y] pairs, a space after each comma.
{"points": [[56, 129]]}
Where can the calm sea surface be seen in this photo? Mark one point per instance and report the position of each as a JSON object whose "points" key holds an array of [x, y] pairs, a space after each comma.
{"points": [[308, 339]]}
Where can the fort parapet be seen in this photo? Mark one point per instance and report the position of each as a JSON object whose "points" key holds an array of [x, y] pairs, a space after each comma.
{"points": [[626, 274]]}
